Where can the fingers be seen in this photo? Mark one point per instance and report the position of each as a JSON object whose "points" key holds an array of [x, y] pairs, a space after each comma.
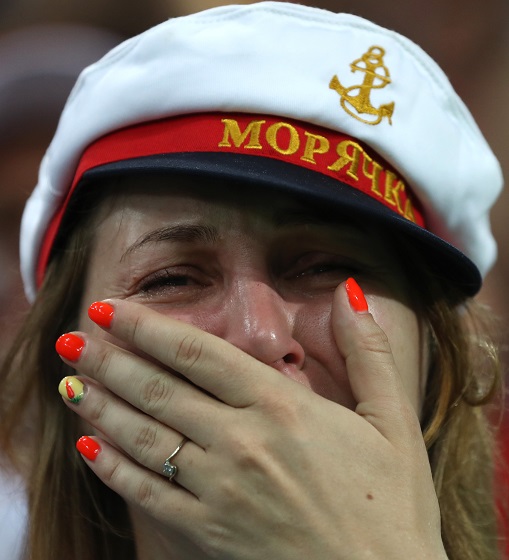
{"points": [[204, 359], [139, 486], [246, 467], [149, 389], [374, 378], [145, 440]]}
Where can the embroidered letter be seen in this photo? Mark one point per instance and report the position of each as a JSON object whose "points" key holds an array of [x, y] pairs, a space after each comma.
{"points": [[345, 158], [376, 168], [293, 142], [311, 146], [232, 133], [409, 211], [393, 188]]}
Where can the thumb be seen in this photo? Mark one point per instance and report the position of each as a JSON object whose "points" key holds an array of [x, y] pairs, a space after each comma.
{"points": [[374, 378]]}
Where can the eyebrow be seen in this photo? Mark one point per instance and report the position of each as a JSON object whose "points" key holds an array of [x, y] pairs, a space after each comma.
{"points": [[194, 233], [183, 233]]}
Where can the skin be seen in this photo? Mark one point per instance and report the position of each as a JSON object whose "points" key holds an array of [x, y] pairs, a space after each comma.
{"points": [[244, 341]]}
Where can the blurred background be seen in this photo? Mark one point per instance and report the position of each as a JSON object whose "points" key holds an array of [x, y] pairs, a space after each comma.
{"points": [[45, 43]]}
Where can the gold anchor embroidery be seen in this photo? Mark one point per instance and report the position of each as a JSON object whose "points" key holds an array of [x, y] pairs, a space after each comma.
{"points": [[370, 63]]}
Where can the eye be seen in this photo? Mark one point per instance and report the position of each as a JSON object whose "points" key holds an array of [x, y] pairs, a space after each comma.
{"points": [[170, 280], [331, 267], [318, 264], [317, 272]]}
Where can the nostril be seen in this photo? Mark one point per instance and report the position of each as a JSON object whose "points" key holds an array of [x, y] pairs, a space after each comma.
{"points": [[290, 359], [289, 362]]}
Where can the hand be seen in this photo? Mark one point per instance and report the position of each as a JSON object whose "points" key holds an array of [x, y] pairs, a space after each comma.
{"points": [[271, 469]]}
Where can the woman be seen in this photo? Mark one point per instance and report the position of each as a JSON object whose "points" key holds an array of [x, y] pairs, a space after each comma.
{"points": [[284, 358]]}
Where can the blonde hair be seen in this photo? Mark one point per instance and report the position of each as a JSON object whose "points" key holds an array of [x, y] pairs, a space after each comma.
{"points": [[73, 512], [459, 435]]}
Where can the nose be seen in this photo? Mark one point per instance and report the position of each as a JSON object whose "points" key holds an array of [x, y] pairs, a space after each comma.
{"points": [[262, 324]]}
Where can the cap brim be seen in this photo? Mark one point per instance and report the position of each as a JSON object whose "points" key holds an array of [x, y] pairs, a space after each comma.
{"points": [[446, 262]]}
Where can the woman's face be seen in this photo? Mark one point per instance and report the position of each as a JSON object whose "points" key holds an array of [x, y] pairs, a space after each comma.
{"points": [[258, 271]]}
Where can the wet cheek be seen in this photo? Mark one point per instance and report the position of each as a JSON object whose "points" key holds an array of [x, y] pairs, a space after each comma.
{"points": [[209, 320], [313, 330], [324, 366]]}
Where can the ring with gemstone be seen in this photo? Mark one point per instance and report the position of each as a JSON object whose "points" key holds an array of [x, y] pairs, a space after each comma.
{"points": [[169, 469]]}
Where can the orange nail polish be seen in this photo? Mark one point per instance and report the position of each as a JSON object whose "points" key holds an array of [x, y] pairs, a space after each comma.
{"points": [[70, 346], [101, 313], [88, 447], [356, 296]]}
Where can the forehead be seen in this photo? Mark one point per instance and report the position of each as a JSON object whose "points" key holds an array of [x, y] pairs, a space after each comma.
{"points": [[196, 210], [169, 197], [153, 217]]}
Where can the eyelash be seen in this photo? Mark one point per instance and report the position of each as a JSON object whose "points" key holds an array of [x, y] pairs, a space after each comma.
{"points": [[325, 268], [324, 264], [303, 268], [163, 279]]}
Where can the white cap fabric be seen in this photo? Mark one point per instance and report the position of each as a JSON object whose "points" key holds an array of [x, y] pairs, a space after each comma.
{"points": [[336, 71]]}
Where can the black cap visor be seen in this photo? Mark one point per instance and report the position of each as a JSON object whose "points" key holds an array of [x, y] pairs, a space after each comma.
{"points": [[446, 262]]}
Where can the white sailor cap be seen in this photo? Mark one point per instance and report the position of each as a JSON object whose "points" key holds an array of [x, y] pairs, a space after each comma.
{"points": [[324, 106]]}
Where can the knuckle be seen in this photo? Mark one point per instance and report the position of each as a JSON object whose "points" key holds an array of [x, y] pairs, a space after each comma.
{"points": [[113, 475], [144, 442], [145, 494], [215, 539], [97, 411], [375, 341], [117, 477], [135, 328], [286, 412], [155, 394], [188, 353], [250, 453], [228, 490], [102, 362]]}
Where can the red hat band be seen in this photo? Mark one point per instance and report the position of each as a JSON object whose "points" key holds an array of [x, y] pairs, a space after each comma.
{"points": [[325, 151]]}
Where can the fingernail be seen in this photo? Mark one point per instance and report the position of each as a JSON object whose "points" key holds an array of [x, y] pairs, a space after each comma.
{"points": [[72, 389], [70, 346], [88, 447], [356, 296], [101, 313]]}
